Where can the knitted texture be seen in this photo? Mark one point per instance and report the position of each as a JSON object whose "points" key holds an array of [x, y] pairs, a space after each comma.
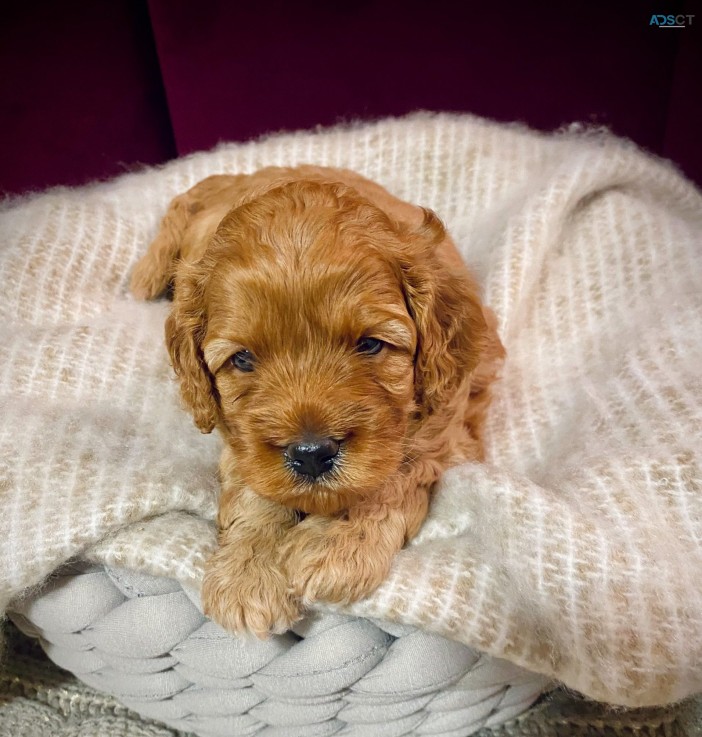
{"points": [[39, 700], [574, 551], [143, 640]]}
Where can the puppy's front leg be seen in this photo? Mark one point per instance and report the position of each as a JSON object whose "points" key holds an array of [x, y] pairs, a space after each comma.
{"points": [[244, 588], [346, 559]]}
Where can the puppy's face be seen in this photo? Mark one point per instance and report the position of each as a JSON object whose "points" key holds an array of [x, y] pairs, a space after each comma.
{"points": [[306, 332]]}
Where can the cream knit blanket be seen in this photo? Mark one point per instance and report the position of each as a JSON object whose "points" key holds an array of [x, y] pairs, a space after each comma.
{"points": [[574, 551]]}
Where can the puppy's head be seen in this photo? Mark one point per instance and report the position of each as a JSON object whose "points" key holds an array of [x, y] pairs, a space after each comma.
{"points": [[315, 333]]}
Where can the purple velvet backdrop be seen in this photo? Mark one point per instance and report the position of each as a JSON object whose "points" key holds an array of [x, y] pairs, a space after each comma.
{"points": [[93, 87], [80, 94]]}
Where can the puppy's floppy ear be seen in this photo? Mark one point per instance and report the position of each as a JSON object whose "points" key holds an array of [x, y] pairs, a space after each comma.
{"points": [[447, 312], [185, 330]]}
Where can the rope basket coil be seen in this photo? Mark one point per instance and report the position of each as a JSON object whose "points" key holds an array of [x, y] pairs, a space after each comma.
{"points": [[145, 641]]}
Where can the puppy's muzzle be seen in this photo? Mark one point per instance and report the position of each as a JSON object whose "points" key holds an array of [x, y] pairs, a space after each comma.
{"points": [[312, 456]]}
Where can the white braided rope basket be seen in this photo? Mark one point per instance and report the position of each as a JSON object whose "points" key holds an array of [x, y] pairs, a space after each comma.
{"points": [[145, 640]]}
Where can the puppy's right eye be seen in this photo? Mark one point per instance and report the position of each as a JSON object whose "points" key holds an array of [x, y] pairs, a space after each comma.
{"points": [[243, 361]]}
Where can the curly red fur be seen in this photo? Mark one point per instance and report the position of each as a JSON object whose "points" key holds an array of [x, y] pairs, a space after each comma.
{"points": [[296, 266]]}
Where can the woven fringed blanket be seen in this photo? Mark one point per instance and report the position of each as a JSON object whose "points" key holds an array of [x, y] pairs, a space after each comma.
{"points": [[574, 551]]}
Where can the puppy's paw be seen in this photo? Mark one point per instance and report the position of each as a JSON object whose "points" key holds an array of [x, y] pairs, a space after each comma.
{"points": [[248, 595], [148, 279], [334, 561]]}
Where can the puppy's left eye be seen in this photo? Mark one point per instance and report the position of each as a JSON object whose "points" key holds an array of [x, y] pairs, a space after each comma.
{"points": [[369, 346]]}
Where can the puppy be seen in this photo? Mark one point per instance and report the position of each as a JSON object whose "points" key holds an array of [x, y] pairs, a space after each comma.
{"points": [[333, 336]]}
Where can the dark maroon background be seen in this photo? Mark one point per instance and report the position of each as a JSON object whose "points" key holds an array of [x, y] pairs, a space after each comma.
{"points": [[90, 88]]}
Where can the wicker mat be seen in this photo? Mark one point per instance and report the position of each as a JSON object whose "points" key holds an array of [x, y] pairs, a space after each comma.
{"points": [[37, 699]]}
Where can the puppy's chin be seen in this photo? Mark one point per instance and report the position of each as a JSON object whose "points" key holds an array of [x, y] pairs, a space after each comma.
{"points": [[356, 477], [315, 497]]}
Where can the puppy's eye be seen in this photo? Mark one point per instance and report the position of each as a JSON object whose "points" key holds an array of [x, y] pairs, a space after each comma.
{"points": [[369, 346], [243, 361]]}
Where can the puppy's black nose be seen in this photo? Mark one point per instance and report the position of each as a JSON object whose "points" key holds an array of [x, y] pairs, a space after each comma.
{"points": [[312, 456]]}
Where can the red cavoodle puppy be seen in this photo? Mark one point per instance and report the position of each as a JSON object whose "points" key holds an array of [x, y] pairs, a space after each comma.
{"points": [[333, 336]]}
